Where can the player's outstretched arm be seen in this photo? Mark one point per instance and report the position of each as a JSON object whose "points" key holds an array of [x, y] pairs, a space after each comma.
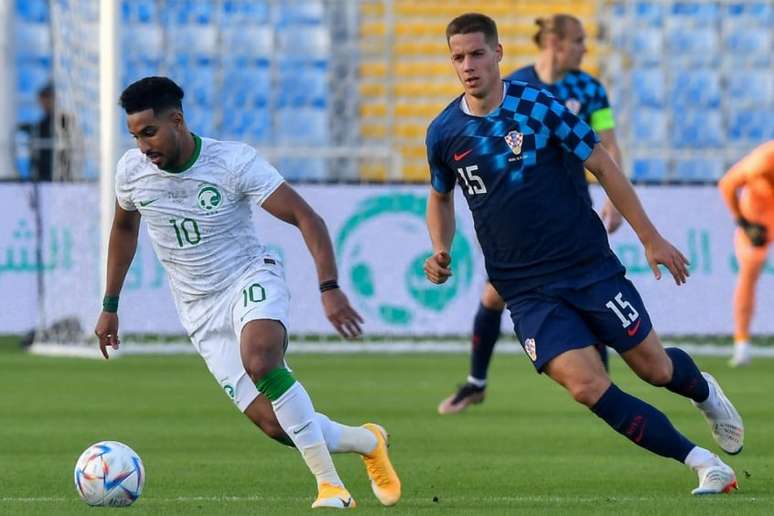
{"points": [[285, 204], [441, 225], [620, 191], [610, 214], [121, 248]]}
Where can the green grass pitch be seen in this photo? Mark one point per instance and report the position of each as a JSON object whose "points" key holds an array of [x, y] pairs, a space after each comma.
{"points": [[527, 450]]}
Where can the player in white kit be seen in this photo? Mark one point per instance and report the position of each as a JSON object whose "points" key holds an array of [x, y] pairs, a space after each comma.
{"points": [[195, 195]]}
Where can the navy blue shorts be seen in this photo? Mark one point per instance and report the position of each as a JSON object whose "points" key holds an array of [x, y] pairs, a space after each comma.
{"points": [[567, 314]]}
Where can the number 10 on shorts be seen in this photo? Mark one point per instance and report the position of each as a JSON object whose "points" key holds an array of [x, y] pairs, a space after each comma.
{"points": [[618, 305], [255, 293]]}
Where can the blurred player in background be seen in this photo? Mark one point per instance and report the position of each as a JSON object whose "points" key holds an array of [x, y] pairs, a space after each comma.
{"points": [[546, 251], [562, 44], [748, 190], [230, 291]]}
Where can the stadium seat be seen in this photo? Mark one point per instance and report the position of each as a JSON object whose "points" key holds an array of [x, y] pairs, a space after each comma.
{"points": [[251, 125], [239, 12], [302, 127], [695, 13], [648, 85], [699, 169], [753, 12], [303, 40], [302, 83], [249, 41], [696, 87], [185, 12], [139, 11], [142, 41], [645, 45], [745, 41], [306, 169], [135, 70], [649, 169], [697, 129], [649, 13], [752, 85], [193, 41], [751, 125], [32, 11], [700, 44], [649, 127], [30, 78], [28, 112], [199, 119], [33, 41], [301, 12], [248, 85]]}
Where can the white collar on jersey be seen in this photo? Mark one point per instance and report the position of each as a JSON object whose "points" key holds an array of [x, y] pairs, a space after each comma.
{"points": [[464, 104]]}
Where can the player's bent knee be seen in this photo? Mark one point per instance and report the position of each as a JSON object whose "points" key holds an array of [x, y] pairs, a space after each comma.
{"points": [[588, 391]]}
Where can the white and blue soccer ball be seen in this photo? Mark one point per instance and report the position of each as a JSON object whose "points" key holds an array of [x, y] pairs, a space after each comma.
{"points": [[109, 473]]}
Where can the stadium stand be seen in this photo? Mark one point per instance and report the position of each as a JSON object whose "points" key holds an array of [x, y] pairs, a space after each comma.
{"points": [[689, 80]]}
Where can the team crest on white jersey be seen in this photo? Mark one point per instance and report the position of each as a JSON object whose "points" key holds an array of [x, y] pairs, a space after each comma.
{"points": [[529, 347], [208, 197], [573, 105], [514, 140]]}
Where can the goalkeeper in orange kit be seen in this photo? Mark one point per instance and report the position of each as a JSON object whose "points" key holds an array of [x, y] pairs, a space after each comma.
{"points": [[748, 190]]}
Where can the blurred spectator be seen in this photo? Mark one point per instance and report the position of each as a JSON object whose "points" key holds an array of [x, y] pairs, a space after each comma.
{"points": [[43, 139]]}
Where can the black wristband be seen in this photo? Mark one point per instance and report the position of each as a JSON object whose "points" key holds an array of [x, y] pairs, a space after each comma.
{"points": [[110, 304], [328, 285]]}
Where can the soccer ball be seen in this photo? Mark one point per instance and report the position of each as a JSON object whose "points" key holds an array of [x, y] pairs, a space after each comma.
{"points": [[109, 473]]}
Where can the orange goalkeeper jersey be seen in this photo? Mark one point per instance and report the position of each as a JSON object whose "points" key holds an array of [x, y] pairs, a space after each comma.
{"points": [[755, 175]]}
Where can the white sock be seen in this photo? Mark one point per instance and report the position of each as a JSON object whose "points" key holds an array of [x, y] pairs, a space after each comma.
{"points": [[700, 457], [343, 439], [742, 348], [478, 382], [296, 415]]}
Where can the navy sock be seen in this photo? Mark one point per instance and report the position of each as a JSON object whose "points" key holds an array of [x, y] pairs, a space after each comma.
{"points": [[686, 378], [602, 350], [643, 424], [486, 330]]}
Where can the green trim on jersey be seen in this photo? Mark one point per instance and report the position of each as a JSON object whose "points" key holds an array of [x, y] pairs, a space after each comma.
{"points": [[602, 119], [275, 383], [188, 164]]}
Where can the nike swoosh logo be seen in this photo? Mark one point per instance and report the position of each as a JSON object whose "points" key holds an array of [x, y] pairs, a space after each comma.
{"points": [[631, 331], [146, 203], [346, 502], [298, 431], [458, 157]]}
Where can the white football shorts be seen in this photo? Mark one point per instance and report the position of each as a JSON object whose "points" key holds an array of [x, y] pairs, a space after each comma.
{"points": [[261, 293]]}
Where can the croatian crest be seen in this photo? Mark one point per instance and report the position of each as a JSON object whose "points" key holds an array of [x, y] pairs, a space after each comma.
{"points": [[529, 347], [514, 140], [573, 105]]}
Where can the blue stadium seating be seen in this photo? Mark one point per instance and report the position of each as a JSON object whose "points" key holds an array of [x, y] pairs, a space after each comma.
{"points": [[649, 86], [239, 12], [302, 83], [193, 42], [648, 126], [747, 86], [139, 11], [301, 12], [35, 11], [33, 41], [142, 41], [697, 129], [645, 45], [302, 126], [698, 87], [199, 119], [751, 125], [696, 13], [28, 112], [304, 40], [249, 41], [697, 44], [754, 12], [184, 12], [249, 85], [30, 78], [649, 169], [749, 42], [649, 13], [698, 169]]}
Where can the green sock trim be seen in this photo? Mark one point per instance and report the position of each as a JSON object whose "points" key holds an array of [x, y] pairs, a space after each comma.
{"points": [[275, 383]]}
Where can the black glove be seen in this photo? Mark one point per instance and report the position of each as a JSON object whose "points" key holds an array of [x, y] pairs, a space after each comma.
{"points": [[754, 231]]}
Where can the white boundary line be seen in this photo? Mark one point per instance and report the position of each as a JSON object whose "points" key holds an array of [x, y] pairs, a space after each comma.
{"points": [[389, 347]]}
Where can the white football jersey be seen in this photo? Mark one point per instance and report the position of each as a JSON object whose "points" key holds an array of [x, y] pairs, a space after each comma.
{"points": [[200, 219]]}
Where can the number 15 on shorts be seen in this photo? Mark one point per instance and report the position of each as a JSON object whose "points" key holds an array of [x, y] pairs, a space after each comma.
{"points": [[625, 312]]}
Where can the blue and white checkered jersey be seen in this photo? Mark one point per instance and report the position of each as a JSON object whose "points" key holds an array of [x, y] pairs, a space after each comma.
{"points": [[531, 221], [582, 94]]}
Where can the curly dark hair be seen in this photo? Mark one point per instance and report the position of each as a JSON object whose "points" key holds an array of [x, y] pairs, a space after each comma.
{"points": [[156, 93]]}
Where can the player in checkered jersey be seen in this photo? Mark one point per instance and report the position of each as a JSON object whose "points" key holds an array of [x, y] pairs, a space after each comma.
{"points": [[196, 195], [561, 41], [508, 146]]}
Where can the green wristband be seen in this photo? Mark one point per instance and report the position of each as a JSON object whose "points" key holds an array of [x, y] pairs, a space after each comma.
{"points": [[110, 304]]}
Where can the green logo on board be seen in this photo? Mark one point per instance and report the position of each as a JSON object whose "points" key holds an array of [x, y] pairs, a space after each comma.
{"points": [[377, 248]]}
